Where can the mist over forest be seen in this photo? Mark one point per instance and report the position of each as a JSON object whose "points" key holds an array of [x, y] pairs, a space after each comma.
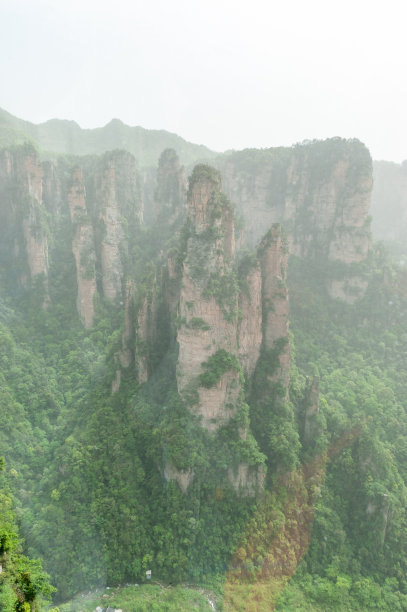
{"points": [[203, 373]]}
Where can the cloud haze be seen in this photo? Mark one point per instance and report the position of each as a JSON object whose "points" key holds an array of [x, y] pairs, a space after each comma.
{"points": [[228, 74]]}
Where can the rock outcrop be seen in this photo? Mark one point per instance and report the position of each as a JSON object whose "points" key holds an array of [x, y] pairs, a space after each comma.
{"points": [[274, 260], [247, 480], [222, 316], [30, 179], [171, 190], [117, 198], [83, 249], [183, 477], [23, 217], [207, 315], [146, 320], [250, 325], [320, 191], [125, 356], [99, 198]]}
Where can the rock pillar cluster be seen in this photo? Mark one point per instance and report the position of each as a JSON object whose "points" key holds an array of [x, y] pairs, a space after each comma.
{"points": [[223, 311]]}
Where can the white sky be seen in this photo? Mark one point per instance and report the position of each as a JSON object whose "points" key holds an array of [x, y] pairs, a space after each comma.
{"points": [[224, 73]]}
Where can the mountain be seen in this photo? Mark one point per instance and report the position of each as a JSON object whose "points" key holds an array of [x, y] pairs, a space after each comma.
{"points": [[61, 137], [205, 377]]}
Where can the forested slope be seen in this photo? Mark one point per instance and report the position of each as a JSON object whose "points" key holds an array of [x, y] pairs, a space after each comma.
{"points": [[173, 400]]}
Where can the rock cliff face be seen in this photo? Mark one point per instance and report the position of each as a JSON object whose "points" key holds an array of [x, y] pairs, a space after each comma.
{"points": [[250, 325], [117, 198], [319, 191], [52, 191], [125, 356], [274, 259], [208, 322], [170, 194], [23, 216], [146, 321], [102, 200], [34, 231], [222, 315], [83, 249], [389, 201]]}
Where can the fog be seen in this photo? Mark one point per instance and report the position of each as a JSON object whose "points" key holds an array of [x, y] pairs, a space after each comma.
{"points": [[225, 74]]}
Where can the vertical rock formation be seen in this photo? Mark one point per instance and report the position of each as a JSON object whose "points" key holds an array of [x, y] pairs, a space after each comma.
{"points": [[272, 415], [223, 325], [117, 198], [112, 233], [208, 304], [319, 191], [274, 260], [250, 325], [83, 249], [146, 320], [23, 216], [124, 357], [52, 192], [170, 195], [216, 344], [30, 178]]}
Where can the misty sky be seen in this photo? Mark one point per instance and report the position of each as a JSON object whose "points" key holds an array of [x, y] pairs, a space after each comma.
{"points": [[228, 74]]}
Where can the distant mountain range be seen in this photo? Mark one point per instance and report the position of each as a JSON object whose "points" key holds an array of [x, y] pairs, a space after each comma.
{"points": [[68, 138]]}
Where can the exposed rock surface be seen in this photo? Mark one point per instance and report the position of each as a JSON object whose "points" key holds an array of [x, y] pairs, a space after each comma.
{"points": [[183, 477], [274, 259], [320, 191], [22, 215], [250, 325], [52, 190], [247, 480], [221, 320], [83, 249], [207, 327], [146, 320], [117, 197], [124, 357], [170, 194]]}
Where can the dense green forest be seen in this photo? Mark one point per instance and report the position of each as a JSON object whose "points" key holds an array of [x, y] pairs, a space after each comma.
{"points": [[85, 473]]}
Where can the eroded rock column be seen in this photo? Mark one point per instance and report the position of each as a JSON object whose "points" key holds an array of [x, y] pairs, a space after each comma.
{"points": [[83, 249]]}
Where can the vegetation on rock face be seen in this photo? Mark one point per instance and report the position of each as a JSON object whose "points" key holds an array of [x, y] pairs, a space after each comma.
{"points": [[217, 365], [87, 474], [203, 172]]}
